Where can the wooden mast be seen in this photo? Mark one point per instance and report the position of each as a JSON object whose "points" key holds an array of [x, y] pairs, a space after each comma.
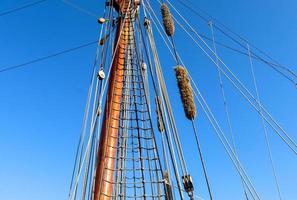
{"points": [[109, 135]]}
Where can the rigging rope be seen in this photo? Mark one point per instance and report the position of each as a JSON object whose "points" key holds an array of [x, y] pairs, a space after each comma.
{"points": [[92, 129], [240, 86], [273, 63], [79, 8], [226, 108], [149, 113], [226, 145], [221, 136], [122, 33], [186, 94], [17, 66], [161, 104], [22, 7], [270, 124], [168, 114], [160, 79], [202, 161], [267, 142]]}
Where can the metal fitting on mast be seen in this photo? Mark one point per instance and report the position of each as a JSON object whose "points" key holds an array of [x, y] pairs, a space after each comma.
{"points": [[146, 23], [137, 2], [101, 20], [101, 75], [188, 185], [168, 187]]}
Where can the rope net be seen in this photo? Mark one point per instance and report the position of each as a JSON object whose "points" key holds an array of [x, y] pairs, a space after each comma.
{"points": [[136, 172]]}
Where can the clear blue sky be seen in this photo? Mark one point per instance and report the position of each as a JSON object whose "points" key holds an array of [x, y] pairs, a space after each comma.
{"points": [[41, 105]]}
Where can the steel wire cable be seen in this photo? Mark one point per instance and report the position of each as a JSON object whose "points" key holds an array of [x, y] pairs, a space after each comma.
{"points": [[146, 94], [267, 142], [172, 54], [193, 124], [202, 161], [167, 102], [131, 84], [79, 171], [120, 34], [29, 5], [239, 85], [94, 122], [78, 159], [84, 127], [226, 144], [273, 63], [13, 67], [79, 8], [163, 115], [242, 93], [163, 38], [235, 161], [224, 98]]}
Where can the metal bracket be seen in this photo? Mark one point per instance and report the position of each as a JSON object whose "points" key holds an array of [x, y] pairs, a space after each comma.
{"points": [[188, 185]]}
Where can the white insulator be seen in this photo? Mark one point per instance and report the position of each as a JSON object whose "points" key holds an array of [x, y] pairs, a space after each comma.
{"points": [[101, 20], [144, 66], [101, 75]]}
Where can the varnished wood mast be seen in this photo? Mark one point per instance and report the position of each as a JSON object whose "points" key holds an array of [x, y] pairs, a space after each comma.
{"points": [[109, 135]]}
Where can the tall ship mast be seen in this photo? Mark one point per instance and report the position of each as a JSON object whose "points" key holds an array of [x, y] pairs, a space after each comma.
{"points": [[130, 146]]}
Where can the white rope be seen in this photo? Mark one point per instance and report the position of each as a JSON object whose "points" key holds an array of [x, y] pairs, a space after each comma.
{"points": [[72, 197], [226, 144], [157, 63], [264, 125], [113, 57], [235, 161], [242, 41], [168, 107], [226, 107], [198, 197], [241, 88], [81, 9], [86, 115], [165, 116]]}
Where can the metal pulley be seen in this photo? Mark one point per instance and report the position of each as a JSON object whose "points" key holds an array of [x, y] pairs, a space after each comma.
{"points": [[137, 2], [101, 75], [102, 41], [146, 23], [143, 66], [188, 185], [101, 20]]}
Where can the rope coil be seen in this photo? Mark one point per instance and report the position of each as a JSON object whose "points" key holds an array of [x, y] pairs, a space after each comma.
{"points": [[167, 20], [186, 92]]}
